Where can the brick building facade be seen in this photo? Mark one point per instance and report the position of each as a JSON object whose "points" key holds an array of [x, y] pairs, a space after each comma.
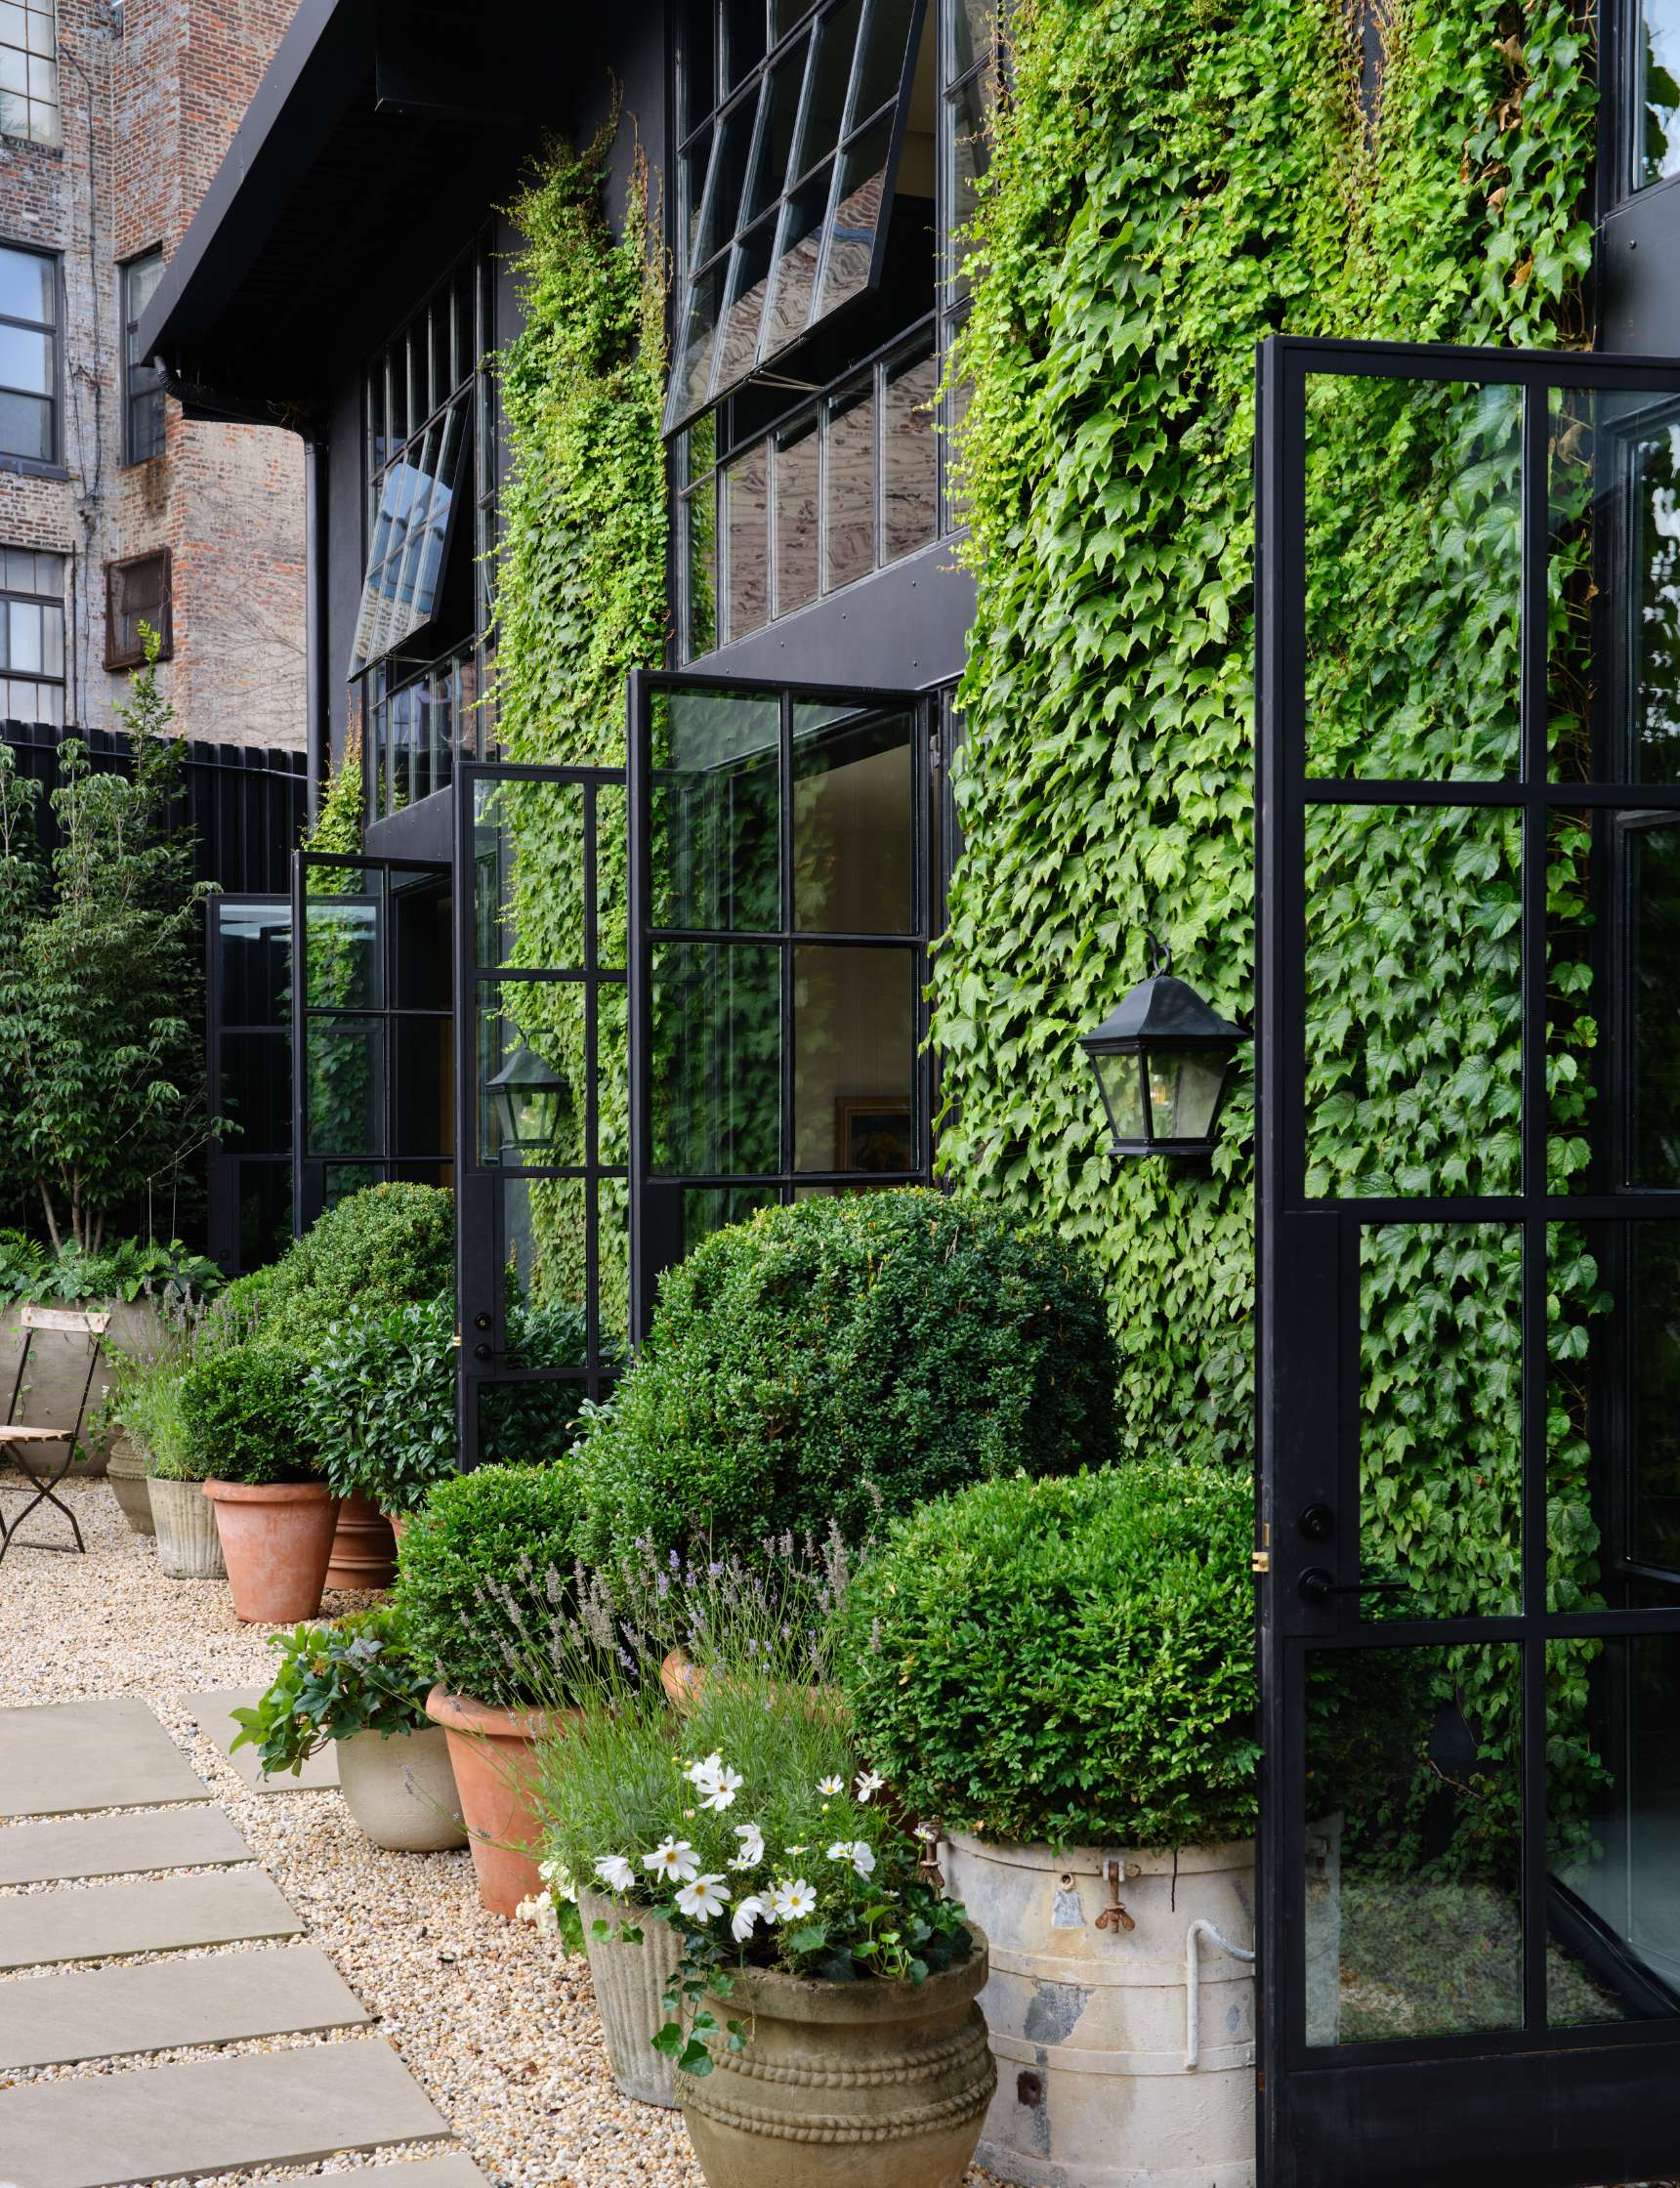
{"points": [[115, 115]]}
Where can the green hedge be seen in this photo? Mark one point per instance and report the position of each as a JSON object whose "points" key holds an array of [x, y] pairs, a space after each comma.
{"points": [[383, 1247], [243, 1417]]}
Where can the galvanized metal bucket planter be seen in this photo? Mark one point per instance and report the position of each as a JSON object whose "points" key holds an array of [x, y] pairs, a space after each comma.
{"points": [[630, 1985], [189, 1547]]}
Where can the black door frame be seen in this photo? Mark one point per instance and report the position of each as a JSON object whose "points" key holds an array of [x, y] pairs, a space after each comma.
{"points": [[1550, 2108], [228, 1159]]}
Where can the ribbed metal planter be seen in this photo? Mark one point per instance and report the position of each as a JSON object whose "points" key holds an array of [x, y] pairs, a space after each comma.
{"points": [[126, 1474], [630, 1983], [189, 1547]]}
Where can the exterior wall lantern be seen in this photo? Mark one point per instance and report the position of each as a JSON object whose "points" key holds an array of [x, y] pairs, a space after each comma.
{"points": [[1164, 1063], [528, 1099]]}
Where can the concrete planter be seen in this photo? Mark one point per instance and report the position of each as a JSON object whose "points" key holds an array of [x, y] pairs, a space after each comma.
{"points": [[844, 2085], [58, 1371], [189, 1548], [1105, 2080], [630, 1982], [493, 1754], [276, 1538], [363, 1548], [402, 1790], [126, 1473]]}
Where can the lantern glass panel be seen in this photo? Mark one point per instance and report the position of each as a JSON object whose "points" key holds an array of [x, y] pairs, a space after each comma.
{"points": [[1120, 1078], [1184, 1091]]}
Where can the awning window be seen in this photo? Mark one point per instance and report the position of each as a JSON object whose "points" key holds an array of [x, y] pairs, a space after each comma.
{"points": [[410, 537]]}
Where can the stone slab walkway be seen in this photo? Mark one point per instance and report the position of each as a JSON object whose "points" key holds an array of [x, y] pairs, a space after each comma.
{"points": [[101, 1921], [72, 1755], [119, 1845], [215, 1714]]}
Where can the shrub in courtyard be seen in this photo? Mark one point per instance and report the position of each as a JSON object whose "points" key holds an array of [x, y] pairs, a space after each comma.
{"points": [[1069, 1662], [379, 1402], [383, 1247], [845, 1358], [242, 1417], [357, 1674]]}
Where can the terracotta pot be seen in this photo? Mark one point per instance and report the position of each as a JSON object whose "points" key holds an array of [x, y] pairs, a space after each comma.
{"points": [[398, 1522], [844, 2085], [189, 1548], [630, 1986], [493, 1753], [364, 1549], [276, 1538], [126, 1474], [402, 1789], [684, 1682]]}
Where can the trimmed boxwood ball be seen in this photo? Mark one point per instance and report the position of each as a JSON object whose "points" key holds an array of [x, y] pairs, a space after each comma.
{"points": [[847, 1358], [385, 1245], [481, 1537], [242, 1417], [1065, 1661]]}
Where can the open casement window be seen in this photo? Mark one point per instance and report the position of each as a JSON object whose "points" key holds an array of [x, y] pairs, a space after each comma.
{"points": [[788, 194], [409, 538]]}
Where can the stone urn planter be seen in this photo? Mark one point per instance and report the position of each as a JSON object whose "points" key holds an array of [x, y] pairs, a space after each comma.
{"points": [[493, 1753], [402, 1789], [276, 1538], [58, 1372], [189, 1547], [630, 1983], [844, 2085], [126, 1473], [1103, 2076], [363, 1548]]}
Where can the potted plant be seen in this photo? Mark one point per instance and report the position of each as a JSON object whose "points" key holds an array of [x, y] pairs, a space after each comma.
{"points": [[275, 1516], [1063, 1674], [486, 1566], [357, 1684]]}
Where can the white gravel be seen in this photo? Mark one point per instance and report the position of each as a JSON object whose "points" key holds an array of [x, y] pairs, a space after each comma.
{"points": [[498, 2030]]}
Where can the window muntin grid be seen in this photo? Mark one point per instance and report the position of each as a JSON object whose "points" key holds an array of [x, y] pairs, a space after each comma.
{"points": [[29, 71], [142, 412], [785, 190], [139, 591], [31, 637], [28, 354]]}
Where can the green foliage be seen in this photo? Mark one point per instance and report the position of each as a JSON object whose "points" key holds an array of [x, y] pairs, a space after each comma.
{"points": [[342, 810], [385, 1245], [125, 1270], [379, 1402], [485, 1566], [100, 1050], [841, 1358], [1069, 1662], [144, 1398], [340, 1071], [243, 1418], [357, 1674]]}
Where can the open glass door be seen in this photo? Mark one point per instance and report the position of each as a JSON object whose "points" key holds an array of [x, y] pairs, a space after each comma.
{"points": [[781, 884], [1469, 1207], [248, 985]]}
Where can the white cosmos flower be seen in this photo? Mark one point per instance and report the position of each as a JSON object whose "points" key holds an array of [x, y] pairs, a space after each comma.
{"points": [[705, 1896], [557, 1874], [795, 1850], [748, 1914], [751, 1847], [704, 1776], [830, 1785], [615, 1873], [858, 1851], [725, 1786], [791, 1902], [539, 1910], [870, 1783], [674, 1860]]}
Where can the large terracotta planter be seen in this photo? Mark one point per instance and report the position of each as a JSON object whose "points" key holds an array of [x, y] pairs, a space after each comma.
{"points": [[276, 1538], [189, 1548], [844, 2085], [630, 1985], [402, 1789], [363, 1548], [493, 1754], [126, 1474]]}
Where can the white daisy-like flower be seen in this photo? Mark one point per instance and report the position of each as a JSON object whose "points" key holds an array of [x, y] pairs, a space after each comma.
{"points": [[927, 1834], [674, 1860], [615, 1873], [559, 1878], [830, 1785], [790, 1850], [705, 1896], [539, 1911], [792, 1901], [858, 1851], [870, 1783], [705, 1774], [727, 1785], [751, 1851], [747, 1916]]}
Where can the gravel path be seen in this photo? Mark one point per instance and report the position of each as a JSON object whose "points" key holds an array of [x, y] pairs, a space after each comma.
{"points": [[497, 2028]]}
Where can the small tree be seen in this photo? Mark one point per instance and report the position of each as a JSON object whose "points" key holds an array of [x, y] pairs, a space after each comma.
{"points": [[101, 1078]]}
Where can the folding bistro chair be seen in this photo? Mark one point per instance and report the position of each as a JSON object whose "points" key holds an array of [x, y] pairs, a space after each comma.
{"points": [[66, 1321]]}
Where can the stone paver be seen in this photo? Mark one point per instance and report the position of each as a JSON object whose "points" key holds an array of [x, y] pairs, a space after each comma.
{"points": [[119, 1845], [110, 2012], [67, 1756], [214, 1712], [212, 2115], [456, 2170], [103, 1921]]}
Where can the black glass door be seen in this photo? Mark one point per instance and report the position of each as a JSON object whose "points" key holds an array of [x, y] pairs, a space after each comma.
{"points": [[248, 988], [1469, 1212]]}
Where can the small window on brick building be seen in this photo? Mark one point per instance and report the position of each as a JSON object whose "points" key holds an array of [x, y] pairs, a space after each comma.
{"points": [[31, 637], [30, 71], [28, 351], [137, 592], [141, 381]]}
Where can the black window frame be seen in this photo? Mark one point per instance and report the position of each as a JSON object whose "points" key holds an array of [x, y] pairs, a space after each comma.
{"points": [[34, 598], [134, 656], [31, 100], [142, 381], [52, 463]]}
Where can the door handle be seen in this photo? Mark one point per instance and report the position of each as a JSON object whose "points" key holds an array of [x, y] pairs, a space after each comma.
{"points": [[1318, 1585]]}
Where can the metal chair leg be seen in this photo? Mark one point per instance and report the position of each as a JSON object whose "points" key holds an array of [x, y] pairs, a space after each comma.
{"points": [[44, 1494]]}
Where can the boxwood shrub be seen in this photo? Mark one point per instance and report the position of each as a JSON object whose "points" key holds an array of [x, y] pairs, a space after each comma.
{"points": [[380, 1247], [1065, 1661], [242, 1417], [847, 1358], [485, 1566]]}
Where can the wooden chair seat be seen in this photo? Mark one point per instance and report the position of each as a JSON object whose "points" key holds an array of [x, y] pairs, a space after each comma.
{"points": [[16, 1432]]}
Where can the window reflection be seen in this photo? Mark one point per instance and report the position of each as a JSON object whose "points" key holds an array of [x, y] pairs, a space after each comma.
{"points": [[1658, 154], [910, 456], [854, 1060], [853, 823], [747, 532], [849, 517]]}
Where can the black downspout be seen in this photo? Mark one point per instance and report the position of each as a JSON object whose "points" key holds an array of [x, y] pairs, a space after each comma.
{"points": [[318, 714]]}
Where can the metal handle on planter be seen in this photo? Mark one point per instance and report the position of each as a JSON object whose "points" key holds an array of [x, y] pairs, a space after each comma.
{"points": [[1198, 1929]]}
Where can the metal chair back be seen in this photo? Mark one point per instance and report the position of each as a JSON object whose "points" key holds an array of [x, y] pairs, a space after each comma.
{"points": [[56, 1320]]}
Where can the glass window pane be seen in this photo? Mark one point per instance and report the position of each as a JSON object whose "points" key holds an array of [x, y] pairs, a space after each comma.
{"points": [[405, 553], [849, 254], [715, 861], [692, 380], [971, 154], [881, 64], [1652, 999], [612, 1074], [529, 852], [746, 541], [25, 360], [697, 62], [708, 1208], [853, 820], [532, 1073], [612, 1271], [737, 344], [715, 1059], [28, 287], [23, 619], [612, 913], [544, 1245], [420, 943], [910, 456], [700, 548], [849, 525], [344, 1074], [799, 249], [343, 961], [830, 77], [854, 1059], [726, 182], [743, 26], [422, 1116], [253, 949], [256, 1091], [796, 515], [779, 113], [1658, 65], [1413, 1843], [53, 641], [971, 31], [691, 166], [1413, 568]]}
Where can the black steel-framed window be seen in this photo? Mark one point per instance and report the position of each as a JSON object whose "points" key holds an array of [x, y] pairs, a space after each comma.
{"points": [[142, 400], [1642, 46], [28, 354], [138, 597], [248, 979], [31, 636], [30, 104]]}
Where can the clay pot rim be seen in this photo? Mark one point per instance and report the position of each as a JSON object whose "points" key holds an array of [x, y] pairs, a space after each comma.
{"points": [[464, 1713], [1204, 1858], [267, 1492], [780, 1996]]}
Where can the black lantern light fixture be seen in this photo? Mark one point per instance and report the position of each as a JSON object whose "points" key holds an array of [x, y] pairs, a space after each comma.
{"points": [[529, 1100], [1164, 1063]]}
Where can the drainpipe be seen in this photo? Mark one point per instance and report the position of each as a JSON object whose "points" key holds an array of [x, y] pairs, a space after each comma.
{"points": [[317, 707]]}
